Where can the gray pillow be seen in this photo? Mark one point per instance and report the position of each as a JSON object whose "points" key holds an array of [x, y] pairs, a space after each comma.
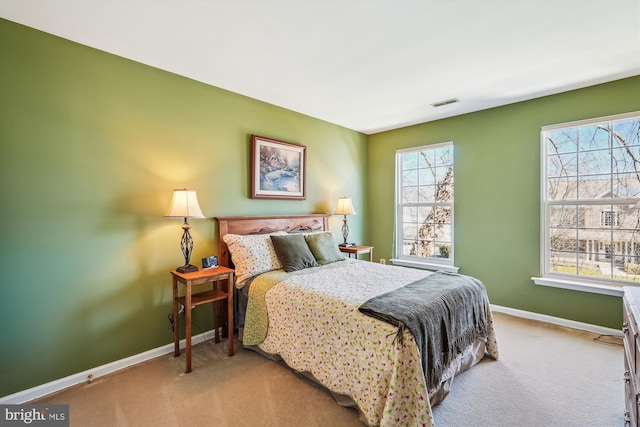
{"points": [[293, 252], [324, 248]]}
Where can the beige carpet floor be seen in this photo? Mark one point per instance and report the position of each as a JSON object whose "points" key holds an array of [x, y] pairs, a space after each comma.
{"points": [[547, 376]]}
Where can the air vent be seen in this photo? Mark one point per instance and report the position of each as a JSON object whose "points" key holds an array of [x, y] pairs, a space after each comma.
{"points": [[447, 102]]}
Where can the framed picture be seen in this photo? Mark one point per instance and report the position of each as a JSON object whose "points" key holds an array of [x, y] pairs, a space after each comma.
{"points": [[277, 169]]}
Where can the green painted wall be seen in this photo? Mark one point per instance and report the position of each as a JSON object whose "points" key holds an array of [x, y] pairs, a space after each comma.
{"points": [[91, 146], [497, 194]]}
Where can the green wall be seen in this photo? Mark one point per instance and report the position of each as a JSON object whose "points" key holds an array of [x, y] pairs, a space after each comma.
{"points": [[497, 195], [91, 147]]}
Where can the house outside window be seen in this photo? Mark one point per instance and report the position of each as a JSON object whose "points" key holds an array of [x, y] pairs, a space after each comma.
{"points": [[590, 201], [424, 206]]}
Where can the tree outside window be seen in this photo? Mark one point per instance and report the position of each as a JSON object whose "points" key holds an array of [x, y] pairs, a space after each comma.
{"points": [[591, 199], [424, 219]]}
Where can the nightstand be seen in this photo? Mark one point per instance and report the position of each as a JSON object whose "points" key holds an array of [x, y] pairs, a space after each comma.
{"points": [[215, 296], [357, 250]]}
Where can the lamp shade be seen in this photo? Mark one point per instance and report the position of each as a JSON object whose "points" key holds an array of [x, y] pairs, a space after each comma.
{"points": [[345, 207], [184, 204]]}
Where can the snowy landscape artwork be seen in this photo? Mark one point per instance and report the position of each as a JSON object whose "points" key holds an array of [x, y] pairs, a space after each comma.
{"points": [[277, 169]]}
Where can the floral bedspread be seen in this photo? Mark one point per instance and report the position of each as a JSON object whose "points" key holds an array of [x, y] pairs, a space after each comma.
{"points": [[315, 326]]}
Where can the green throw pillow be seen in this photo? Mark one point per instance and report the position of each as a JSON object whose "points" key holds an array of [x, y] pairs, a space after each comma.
{"points": [[324, 248], [293, 252]]}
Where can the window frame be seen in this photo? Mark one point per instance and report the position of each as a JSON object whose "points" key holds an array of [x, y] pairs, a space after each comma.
{"points": [[600, 285], [430, 263]]}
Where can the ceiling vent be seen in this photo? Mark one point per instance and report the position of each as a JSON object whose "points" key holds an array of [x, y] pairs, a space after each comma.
{"points": [[447, 102]]}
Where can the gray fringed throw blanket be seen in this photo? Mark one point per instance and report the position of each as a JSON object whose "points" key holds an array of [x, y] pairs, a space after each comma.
{"points": [[445, 312]]}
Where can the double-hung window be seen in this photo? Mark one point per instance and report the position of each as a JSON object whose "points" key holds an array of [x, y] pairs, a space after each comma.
{"points": [[424, 207], [591, 201]]}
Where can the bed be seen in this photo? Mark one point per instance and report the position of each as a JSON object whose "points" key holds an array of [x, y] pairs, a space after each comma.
{"points": [[309, 312]]}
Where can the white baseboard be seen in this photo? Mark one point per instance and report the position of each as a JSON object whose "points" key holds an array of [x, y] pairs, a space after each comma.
{"points": [[82, 377], [601, 330]]}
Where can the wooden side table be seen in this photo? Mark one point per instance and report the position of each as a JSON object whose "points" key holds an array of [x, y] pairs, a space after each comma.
{"points": [[357, 250], [189, 300]]}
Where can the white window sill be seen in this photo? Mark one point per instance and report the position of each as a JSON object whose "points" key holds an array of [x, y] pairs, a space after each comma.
{"points": [[425, 265], [575, 285]]}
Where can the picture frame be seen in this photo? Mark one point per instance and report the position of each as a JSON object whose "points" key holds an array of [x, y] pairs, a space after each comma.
{"points": [[278, 169]]}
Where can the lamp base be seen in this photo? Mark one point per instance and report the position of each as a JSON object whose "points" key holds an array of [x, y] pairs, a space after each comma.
{"points": [[347, 245], [188, 268]]}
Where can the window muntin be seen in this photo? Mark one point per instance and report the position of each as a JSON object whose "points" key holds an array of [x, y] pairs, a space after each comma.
{"points": [[424, 217], [591, 213]]}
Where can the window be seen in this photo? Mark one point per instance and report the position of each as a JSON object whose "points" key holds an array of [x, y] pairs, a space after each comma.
{"points": [[424, 205], [591, 194], [609, 219]]}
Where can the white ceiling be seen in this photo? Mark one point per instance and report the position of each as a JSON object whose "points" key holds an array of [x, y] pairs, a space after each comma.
{"points": [[368, 65]]}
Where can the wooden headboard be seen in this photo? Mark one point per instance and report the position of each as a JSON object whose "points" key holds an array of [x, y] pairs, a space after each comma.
{"points": [[265, 225]]}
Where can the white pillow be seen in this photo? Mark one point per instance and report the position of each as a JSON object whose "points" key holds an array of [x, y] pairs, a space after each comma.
{"points": [[252, 254]]}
